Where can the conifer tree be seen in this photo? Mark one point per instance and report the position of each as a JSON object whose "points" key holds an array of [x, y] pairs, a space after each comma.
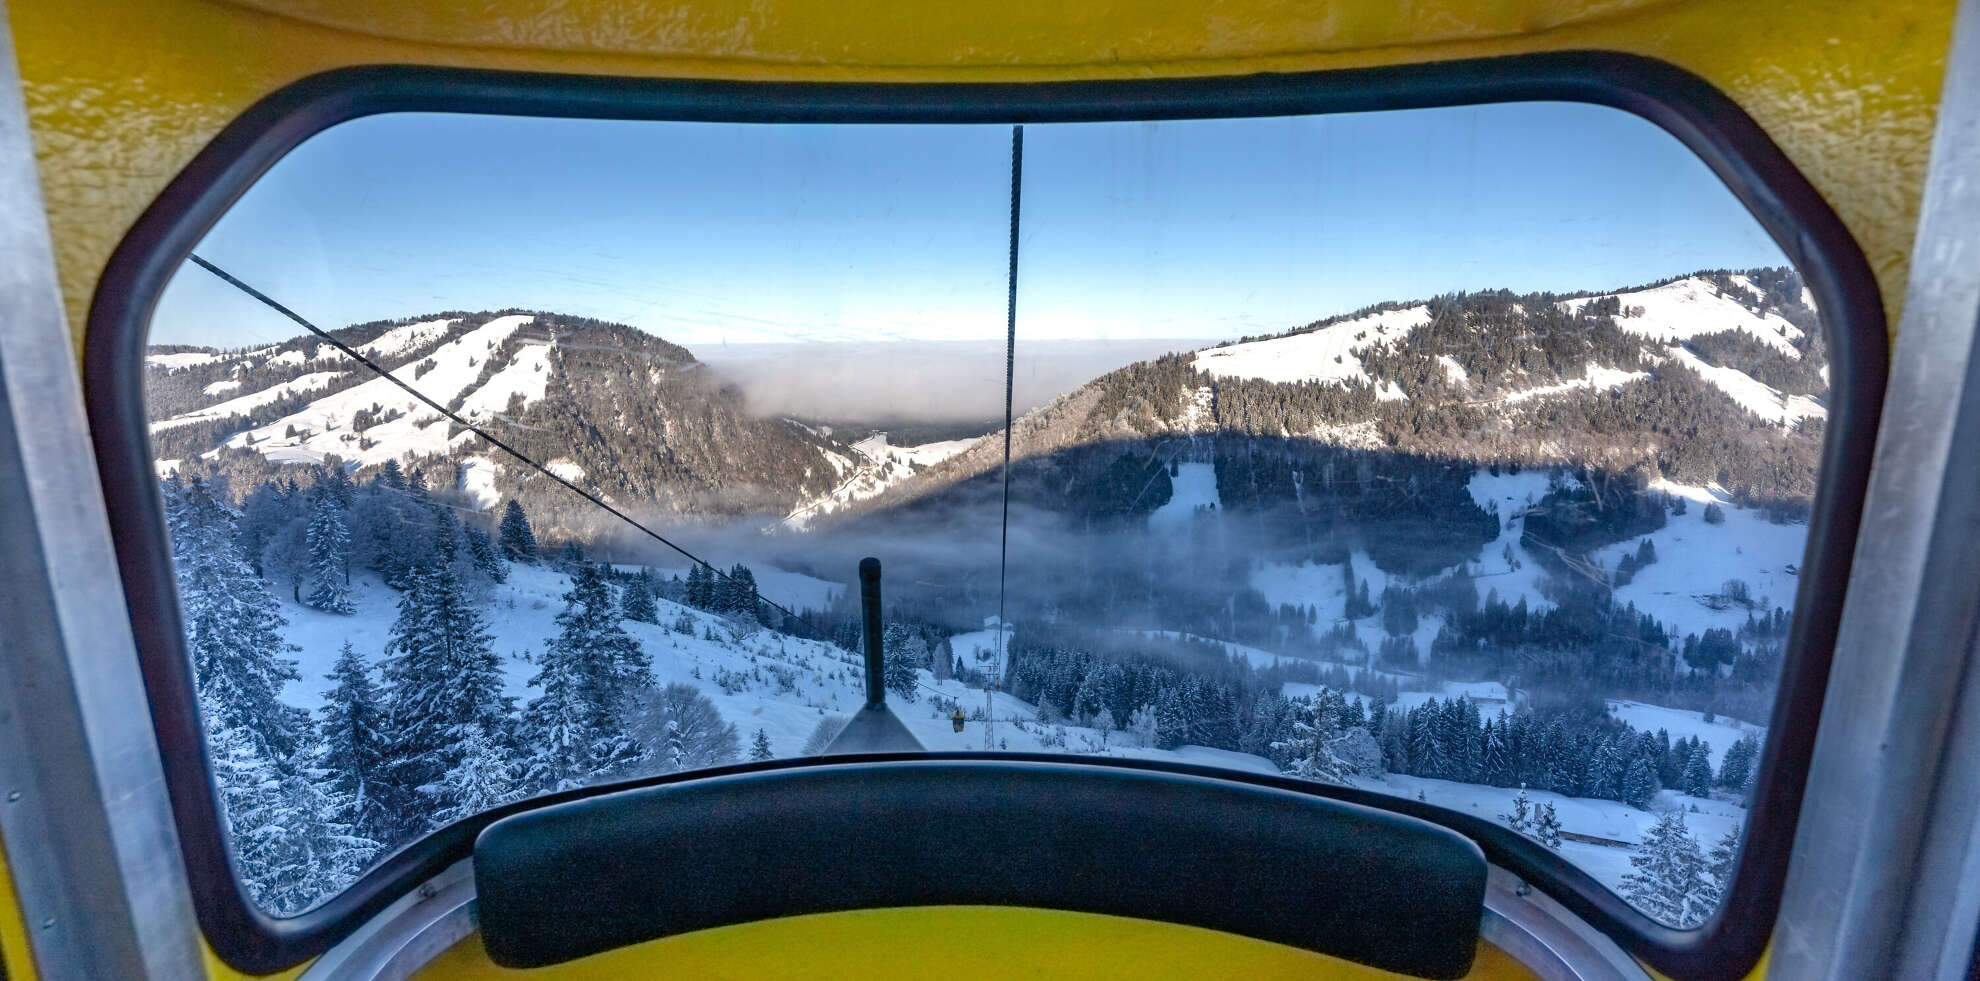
{"points": [[329, 570], [612, 666], [1737, 767], [1698, 772], [1720, 864], [486, 559], [232, 627], [1639, 785], [353, 748], [443, 682], [1520, 819], [517, 540], [389, 475], [480, 780], [637, 602], [335, 482], [1144, 725], [1172, 719], [291, 846], [1310, 748], [1668, 881], [1547, 827], [556, 731], [742, 593], [902, 650], [699, 595], [759, 749], [590, 674]]}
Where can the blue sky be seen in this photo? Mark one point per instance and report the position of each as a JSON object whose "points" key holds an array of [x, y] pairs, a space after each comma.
{"points": [[712, 234]]}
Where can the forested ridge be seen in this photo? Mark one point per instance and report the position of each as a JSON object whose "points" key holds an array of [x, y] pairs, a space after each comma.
{"points": [[638, 417]]}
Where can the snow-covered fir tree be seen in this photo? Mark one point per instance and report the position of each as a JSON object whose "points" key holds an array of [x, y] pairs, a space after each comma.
{"points": [[481, 779], [1698, 772], [1521, 818], [902, 651], [1737, 767], [1547, 826], [1171, 718], [329, 574], [443, 681], [232, 625], [701, 587], [291, 845], [637, 601], [1310, 751], [517, 539], [736, 593], [353, 748], [759, 748], [576, 731], [484, 555], [556, 735], [612, 667], [1142, 724], [1639, 786], [1669, 880], [1720, 864]]}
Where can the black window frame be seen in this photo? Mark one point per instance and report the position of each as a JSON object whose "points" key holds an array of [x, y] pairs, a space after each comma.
{"points": [[1687, 107]]}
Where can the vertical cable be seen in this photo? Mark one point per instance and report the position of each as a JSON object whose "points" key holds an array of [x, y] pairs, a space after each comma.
{"points": [[1010, 375]]}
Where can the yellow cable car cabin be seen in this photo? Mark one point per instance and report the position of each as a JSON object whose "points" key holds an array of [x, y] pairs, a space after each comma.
{"points": [[1351, 490]]}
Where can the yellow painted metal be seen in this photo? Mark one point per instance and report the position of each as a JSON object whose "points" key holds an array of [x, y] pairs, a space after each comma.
{"points": [[217, 969], [15, 955], [122, 92], [943, 943]]}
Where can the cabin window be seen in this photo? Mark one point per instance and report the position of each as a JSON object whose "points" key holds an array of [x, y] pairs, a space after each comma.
{"points": [[1464, 456]]}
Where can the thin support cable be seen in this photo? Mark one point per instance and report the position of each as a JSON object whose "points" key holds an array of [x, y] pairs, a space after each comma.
{"points": [[1010, 377], [379, 370]]}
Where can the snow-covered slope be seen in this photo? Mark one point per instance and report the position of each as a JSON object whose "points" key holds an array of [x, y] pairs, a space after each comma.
{"points": [[875, 466], [180, 359], [628, 414], [786, 686], [1664, 315], [247, 403], [325, 426], [1752, 394], [1194, 490], [1326, 354], [1690, 307]]}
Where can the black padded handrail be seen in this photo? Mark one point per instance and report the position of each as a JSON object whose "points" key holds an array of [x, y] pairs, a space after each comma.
{"points": [[592, 875]]}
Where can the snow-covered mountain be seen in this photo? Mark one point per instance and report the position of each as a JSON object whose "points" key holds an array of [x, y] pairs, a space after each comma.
{"points": [[1712, 377], [621, 412], [1715, 377]]}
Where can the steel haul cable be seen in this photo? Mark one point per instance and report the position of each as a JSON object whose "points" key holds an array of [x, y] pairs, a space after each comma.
{"points": [[1010, 377], [455, 417]]}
